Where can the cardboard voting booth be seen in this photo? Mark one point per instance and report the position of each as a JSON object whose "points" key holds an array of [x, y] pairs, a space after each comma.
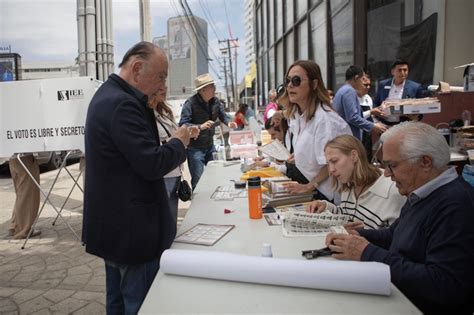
{"points": [[45, 115]]}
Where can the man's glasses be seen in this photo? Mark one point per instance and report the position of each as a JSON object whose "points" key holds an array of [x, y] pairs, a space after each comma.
{"points": [[295, 81], [391, 166]]}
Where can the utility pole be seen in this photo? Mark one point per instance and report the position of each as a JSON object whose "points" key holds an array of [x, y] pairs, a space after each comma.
{"points": [[230, 66], [145, 20], [235, 60], [225, 80]]}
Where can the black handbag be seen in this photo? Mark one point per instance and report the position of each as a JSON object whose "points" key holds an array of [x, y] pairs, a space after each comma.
{"points": [[184, 191]]}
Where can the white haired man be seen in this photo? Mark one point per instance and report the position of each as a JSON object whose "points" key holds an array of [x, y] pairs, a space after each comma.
{"points": [[430, 247]]}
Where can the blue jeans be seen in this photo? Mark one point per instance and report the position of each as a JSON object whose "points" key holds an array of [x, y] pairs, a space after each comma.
{"points": [[127, 285], [197, 159], [171, 188]]}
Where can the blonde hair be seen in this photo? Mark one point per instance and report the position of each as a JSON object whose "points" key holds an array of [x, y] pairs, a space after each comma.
{"points": [[318, 96], [364, 173]]}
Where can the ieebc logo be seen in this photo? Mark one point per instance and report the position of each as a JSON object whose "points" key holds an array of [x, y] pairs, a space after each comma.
{"points": [[67, 95]]}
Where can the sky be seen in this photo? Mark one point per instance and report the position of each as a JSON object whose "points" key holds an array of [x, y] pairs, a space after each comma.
{"points": [[46, 30]]}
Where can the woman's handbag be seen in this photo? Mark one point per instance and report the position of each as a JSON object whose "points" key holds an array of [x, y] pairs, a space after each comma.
{"points": [[184, 191]]}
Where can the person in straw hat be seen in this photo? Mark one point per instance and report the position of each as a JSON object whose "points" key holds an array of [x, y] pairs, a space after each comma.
{"points": [[203, 109]]}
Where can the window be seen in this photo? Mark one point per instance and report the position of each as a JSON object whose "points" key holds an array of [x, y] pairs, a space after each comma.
{"points": [[278, 19], [301, 8], [264, 26], [290, 49], [280, 66], [289, 14], [271, 63], [318, 36], [342, 32], [271, 20], [303, 40]]}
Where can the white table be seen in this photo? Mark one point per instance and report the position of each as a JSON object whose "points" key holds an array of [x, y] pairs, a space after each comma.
{"points": [[176, 294]]}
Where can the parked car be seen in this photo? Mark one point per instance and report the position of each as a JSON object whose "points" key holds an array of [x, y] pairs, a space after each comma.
{"points": [[48, 160]]}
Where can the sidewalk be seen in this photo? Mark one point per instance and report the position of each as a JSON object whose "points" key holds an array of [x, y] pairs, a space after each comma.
{"points": [[53, 274]]}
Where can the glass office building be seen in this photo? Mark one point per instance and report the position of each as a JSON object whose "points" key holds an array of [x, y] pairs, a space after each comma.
{"points": [[370, 33]]}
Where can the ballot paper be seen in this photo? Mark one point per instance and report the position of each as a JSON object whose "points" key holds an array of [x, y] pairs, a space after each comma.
{"points": [[328, 274], [297, 223], [228, 192], [276, 150], [204, 234]]}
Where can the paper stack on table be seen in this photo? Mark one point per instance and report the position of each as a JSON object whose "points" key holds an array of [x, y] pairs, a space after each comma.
{"points": [[311, 224]]}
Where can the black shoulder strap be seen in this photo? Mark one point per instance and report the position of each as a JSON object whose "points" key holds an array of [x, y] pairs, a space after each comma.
{"points": [[162, 125], [291, 141]]}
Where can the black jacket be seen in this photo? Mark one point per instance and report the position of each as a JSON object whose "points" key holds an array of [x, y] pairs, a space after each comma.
{"points": [[195, 112], [126, 214]]}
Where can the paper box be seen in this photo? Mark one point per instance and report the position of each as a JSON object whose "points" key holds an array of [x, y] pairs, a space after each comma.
{"points": [[405, 108], [468, 76]]}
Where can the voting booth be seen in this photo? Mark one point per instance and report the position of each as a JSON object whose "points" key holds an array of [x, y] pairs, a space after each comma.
{"points": [[45, 115]]}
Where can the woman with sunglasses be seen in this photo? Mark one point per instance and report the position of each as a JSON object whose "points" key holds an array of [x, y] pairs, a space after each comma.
{"points": [[371, 199], [312, 124]]}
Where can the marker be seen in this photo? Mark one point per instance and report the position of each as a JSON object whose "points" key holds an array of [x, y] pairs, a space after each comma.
{"points": [[227, 211]]}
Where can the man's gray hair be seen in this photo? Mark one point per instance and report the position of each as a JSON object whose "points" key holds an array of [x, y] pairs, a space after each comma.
{"points": [[418, 139]]}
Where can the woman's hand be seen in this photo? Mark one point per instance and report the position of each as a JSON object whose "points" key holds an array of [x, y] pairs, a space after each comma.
{"points": [[291, 159], [317, 206], [352, 227], [296, 188]]}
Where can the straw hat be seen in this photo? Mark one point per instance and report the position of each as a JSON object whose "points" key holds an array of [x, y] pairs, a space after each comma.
{"points": [[202, 81]]}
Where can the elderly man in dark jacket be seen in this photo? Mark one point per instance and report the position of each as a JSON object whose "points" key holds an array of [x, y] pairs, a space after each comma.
{"points": [[430, 247], [127, 220], [202, 110]]}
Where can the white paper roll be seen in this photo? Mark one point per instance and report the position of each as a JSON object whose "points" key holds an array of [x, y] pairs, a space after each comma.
{"points": [[335, 275]]}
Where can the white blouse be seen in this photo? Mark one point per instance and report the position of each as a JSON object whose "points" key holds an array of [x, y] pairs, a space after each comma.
{"points": [[170, 126], [309, 139]]}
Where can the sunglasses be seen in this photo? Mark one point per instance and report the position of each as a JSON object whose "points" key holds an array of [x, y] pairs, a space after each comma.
{"points": [[295, 81]]}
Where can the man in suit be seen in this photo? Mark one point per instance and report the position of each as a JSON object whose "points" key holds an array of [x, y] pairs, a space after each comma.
{"points": [[127, 220], [398, 87]]}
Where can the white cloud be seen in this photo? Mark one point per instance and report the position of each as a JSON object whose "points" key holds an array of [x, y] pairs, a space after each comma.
{"points": [[40, 30], [46, 30]]}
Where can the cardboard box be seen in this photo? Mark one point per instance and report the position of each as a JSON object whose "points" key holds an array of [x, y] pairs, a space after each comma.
{"points": [[406, 109], [468, 76]]}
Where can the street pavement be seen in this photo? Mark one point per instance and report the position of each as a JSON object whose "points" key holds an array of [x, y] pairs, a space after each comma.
{"points": [[53, 274]]}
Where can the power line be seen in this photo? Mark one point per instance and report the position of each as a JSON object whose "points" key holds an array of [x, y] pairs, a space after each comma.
{"points": [[186, 19], [209, 18], [188, 13]]}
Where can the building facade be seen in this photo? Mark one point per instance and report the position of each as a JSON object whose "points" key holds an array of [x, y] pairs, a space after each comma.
{"points": [[370, 33], [249, 21], [247, 86], [187, 54], [48, 70]]}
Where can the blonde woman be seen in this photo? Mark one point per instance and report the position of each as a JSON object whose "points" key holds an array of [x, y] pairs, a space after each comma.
{"points": [[371, 199]]}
